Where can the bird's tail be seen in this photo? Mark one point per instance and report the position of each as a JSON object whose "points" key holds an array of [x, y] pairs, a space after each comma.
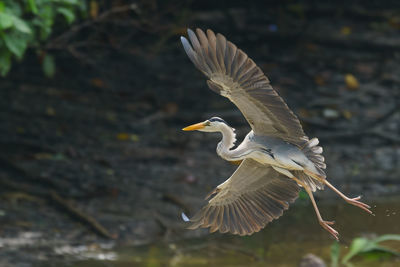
{"points": [[313, 153]]}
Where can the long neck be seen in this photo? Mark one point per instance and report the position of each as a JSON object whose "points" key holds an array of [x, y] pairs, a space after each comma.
{"points": [[227, 142]]}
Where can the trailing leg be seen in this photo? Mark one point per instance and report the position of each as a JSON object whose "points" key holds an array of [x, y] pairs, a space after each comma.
{"points": [[322, 222], [352, 201]]}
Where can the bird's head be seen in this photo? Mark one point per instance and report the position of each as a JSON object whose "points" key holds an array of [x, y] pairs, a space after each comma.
{"points": [[211, 125]]}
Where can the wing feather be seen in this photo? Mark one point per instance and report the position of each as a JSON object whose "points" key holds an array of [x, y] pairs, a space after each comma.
{"points": [[251, 198], [221, 50], [235, 76]]}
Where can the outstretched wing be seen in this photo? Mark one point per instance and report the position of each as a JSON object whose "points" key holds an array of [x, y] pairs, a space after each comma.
{"points": [[253, 196], [233, 75]]}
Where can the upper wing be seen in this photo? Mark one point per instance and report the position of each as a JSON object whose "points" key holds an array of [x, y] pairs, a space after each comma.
{"points": [[253, 196], [233, 75]]}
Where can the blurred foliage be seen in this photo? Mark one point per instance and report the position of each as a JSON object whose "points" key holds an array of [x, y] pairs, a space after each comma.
{"points": [[303, 195], [45, 26], [335, 254], [367, 248], [30, 23]]}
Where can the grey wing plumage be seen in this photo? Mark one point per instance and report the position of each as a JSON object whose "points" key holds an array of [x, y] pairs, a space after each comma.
{"points": [[252, 197], [233, 75]]}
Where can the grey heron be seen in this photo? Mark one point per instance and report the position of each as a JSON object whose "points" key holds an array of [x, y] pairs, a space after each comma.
{"points": [[278, 158]]}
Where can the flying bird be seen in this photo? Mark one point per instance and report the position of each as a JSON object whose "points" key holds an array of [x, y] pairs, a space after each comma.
{"points": [[277, 157]]}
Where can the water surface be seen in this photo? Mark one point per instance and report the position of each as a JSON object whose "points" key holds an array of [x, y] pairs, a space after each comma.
{"points": [[282, 243]]}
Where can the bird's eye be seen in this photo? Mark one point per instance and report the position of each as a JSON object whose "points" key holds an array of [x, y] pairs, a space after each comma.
{"points": [[207, 123]]}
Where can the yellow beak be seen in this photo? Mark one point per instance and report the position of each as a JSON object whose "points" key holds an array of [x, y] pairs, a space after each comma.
{"points": [[194, 127]]}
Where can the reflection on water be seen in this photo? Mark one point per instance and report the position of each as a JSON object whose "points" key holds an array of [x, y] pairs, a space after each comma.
{"points": [[282, 243]]}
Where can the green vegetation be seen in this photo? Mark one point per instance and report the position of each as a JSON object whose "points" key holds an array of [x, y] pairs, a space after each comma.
{"points": [[29, 23], [368, 248]]}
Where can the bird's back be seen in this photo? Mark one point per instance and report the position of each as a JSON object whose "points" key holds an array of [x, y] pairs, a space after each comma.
{"points": [[290, 156]]}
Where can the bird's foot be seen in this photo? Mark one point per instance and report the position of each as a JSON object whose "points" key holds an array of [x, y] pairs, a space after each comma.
{"points": [[333, 232], [355, 201]]}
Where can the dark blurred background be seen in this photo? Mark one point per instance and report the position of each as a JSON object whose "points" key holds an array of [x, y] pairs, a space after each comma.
{"points": [[94, 94]]}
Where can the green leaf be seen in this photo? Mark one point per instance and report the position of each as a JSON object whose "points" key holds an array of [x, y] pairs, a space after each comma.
{"points": [[49, 66], [387, 238], [69, 2], [32, 6], [21, 25], [386, 249], [6, 21], [68, 14], [357, 246], [46, 19], [16, 43], [335, 254], [363, 245], [5, 62]]}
